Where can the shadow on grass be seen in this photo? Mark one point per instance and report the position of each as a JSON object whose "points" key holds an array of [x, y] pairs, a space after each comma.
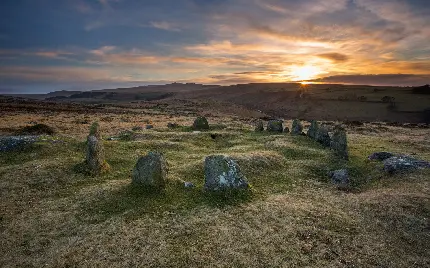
{"points": [[132, 201]]}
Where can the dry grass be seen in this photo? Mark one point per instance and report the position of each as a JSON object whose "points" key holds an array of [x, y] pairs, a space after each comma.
{"points": [[52, 216]]}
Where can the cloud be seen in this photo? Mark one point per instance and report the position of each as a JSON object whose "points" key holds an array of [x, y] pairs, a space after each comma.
{"points": [[333, 56], [164, 25], [378, 79]]}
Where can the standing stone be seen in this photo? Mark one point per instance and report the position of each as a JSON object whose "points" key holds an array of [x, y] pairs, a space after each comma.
{"points": [[312, 131], [151, 171], [275, 126], [200, 123], [259, 126], [297, 127], [95, 159], [223, 173], [95, 131], [339, 142], [323, 137]]}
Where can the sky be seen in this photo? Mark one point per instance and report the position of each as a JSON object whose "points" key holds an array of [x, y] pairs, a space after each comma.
{"points": [[48, 45]]}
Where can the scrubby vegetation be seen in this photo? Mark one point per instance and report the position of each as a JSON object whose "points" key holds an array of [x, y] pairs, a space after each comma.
{"points": [[53, 216]]}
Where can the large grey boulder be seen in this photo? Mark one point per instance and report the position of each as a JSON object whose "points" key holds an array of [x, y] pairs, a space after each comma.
{"points": [[223, 173], [95, 158], [200, 123], [322, 136], [339, 142], [275, 126], [340, 178], [313, 129], [259, 126], [11, 143], [403, 163], [151, 171], [296, 127]]}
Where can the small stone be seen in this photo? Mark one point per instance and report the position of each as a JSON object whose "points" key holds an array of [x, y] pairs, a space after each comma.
{"points": [[340, 178], [275, 126], [223, 173], [200, 123], [137, 128], [188, 184], [339, 142], [313, 129], [322, 136], [259, 126], [297, 127], [151, 171], [172, 125]]}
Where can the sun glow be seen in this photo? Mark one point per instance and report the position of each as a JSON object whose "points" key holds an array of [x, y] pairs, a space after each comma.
{"points": [[305, 72]]}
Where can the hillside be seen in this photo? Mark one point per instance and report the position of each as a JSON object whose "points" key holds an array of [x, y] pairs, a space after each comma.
{"points": [[284, 100]]}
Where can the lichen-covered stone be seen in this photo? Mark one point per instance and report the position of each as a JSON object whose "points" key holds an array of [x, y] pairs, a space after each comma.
{"points": [[95, 159], [259, 126], [339, 142], [223, 173], [296, 127], [275, 126], [340, 179], [11, 143], [200, 123], [322, 136], [151, 171], [313, 129], [95, 131], [403, 163]]}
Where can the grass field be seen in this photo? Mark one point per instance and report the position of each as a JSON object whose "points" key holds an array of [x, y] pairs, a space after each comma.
{"points": [[54, 216]]}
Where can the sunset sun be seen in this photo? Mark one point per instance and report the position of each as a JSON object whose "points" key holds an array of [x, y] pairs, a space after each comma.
{"points": [[305, 72]]}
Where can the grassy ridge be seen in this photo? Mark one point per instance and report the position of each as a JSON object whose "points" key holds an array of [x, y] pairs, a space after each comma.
{"points": [[292, 216]]}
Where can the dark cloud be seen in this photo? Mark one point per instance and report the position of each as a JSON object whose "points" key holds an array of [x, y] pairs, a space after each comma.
{"points": [[378, 79], [337, 57]]}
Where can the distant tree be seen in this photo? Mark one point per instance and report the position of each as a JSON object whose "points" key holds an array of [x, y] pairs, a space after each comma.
{"points": [[421, 90], [362, 98], [426, 115], [388, 99]]}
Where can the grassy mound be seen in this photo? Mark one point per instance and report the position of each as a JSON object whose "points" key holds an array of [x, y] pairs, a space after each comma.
{"points": [[38, 129]]}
